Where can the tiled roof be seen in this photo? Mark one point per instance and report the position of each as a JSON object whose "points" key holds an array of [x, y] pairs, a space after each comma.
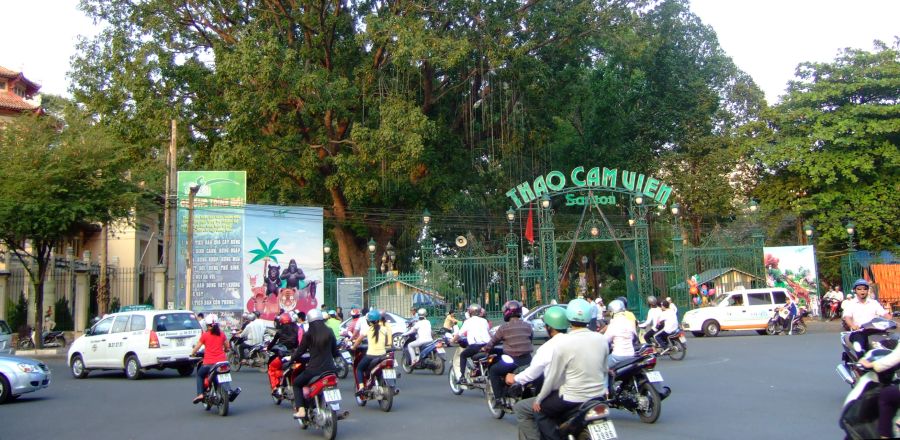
{"points": [[6, 73], [12, 74], [12, 101]]}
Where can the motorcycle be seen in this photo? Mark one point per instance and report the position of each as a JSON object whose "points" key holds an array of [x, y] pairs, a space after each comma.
{"points": [[283, 388], [380, 381], [797, 327], [431, 357], [831, 309], [500, 406], [677, 348], [343, 361], [323, 405], [635, 387], [254, 357], [476, 371], [589, 421], [859, 414], [50, 340], [217, 388], [878, 334]]}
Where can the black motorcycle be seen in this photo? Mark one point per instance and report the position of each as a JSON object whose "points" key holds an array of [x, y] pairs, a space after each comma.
{"points": [[589, 421], [797, 327], [254, 356], [500, 406], [877, 334], [636, 388], [49, 339], [859, 416]]}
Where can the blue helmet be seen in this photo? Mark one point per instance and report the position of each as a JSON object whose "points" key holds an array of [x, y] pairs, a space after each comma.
{"points": [[860, 282], [373, 315], [579, 310]]}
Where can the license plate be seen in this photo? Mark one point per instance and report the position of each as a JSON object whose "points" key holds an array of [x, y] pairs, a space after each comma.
{"points": [[389, 373], [682, 339], [346, 356], [332, 395], [179, 342], [654, 376], [224, 377], [440, 350], [602, 430]]}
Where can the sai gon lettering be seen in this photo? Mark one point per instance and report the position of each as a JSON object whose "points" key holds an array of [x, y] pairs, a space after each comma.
{"points": [[608, 178]]}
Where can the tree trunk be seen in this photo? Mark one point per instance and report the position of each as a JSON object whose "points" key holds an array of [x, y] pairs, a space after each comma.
{"points": [[103, 288], [352, 258]]}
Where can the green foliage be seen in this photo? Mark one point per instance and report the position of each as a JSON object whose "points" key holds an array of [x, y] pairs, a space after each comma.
{"points": [[18, 313], [62, 316], [831, 150], [114, 305]]}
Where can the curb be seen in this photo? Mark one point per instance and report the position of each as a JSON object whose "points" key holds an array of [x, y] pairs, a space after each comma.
{"points": [[42, 353]]}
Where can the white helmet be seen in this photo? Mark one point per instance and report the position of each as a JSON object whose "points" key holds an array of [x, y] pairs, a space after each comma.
{"points": [[251, 316], [211, 319], [616, 306], [314, 315], [422, 313]]}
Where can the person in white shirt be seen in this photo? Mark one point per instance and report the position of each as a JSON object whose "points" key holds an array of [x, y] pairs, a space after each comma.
{"points": [[557, 324], [672, 305], [863, 309], [422, 329], [476, 331], [670, 324], [652, 319], [620, 333], [361, 327]]}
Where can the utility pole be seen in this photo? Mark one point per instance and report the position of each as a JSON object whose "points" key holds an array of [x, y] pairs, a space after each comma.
{"points": [[189, 269], [169, 218]]}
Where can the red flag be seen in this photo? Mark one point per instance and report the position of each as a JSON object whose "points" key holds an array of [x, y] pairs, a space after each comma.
{"points": [[529, 227]]}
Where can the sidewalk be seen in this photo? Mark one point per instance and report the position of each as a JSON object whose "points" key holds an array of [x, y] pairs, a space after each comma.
{"points": [[43, 353]]}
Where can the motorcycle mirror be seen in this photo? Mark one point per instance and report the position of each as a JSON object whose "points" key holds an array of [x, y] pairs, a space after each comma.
{"points": [[507, 359]]}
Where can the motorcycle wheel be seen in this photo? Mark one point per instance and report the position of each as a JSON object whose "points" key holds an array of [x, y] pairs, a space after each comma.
{"points": [[454, 385], [770, 329], [496, 411], [651, 414], [406, 364], [234, 359], [387, 400], [800, 329], [262, 362], [26, 344], [61, 340], [223, 401], [329, 424], [438, 365], [677, 351], [341, 367]]}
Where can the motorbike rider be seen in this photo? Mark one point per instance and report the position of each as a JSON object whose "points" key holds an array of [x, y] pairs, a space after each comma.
{"points": [[285, 334], [652, 319], [216, 345], [379, 341], [252, 334], [669, 322], [787, 318], [574, 376], [516, 336], [620, 332], [422, 329], [862, 310], [354, 316], [477, 333], [449, 322], [627, 313], [320, 343], [557, 324], [889, 396], [332, 321], [672, 305]]}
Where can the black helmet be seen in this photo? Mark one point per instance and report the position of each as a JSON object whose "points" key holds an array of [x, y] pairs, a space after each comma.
{"points": [[512, 309]]}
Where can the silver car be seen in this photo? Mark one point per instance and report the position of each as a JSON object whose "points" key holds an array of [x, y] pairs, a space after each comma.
{"points": [[5, 338], [397, 323], [20, 375], [535, 318]]}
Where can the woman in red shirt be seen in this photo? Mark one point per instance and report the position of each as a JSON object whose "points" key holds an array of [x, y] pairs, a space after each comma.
{"points": [[216, 345]]}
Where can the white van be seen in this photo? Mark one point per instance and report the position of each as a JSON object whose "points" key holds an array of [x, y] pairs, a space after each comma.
{"points": [[137, 340], [748, 309]]}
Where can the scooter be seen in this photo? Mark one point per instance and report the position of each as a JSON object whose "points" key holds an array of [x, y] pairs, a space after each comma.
{"points": [[589, 421], [431, 357], [323, 405], [878, 334], [380, 381], [859, 416], [677, 348], [636, 388], [500, 406], [50, 340], [217, 388], [254, 357], [344, 360], [476, 370], [797, 327]]}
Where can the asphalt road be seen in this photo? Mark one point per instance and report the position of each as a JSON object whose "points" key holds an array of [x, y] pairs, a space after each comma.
{"points": [[735, 386]]}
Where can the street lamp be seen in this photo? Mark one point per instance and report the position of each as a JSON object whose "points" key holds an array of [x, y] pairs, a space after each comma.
{"points": [[371, 261], [327, 248], [372, 246], [808, 230], [851, 230], [631, 222], [676, 209], [510, 215], [545, 201], [595, 231], [391, 257], [753, 206], [639, 200], [426, 216]]}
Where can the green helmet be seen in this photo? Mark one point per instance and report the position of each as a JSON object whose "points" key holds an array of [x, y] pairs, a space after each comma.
{"points": [[555, 317], [579, 310]]}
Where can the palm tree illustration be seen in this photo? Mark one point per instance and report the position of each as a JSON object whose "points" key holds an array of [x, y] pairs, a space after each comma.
{"points": [[266, 252]]}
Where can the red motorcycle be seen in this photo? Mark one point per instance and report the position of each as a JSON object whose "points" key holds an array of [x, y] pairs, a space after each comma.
{"points": [[380, 381], [323, 405]]}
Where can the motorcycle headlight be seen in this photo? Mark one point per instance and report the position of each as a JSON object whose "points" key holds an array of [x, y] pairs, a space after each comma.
{"points": [[27, 368]]}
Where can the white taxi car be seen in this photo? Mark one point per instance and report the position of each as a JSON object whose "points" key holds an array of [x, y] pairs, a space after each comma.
{"points": [[137, 340], [748, 309]]}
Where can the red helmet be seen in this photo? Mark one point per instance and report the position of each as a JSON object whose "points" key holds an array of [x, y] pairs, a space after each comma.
{"points": [[284, 318], [512, 309], [355, 313]]}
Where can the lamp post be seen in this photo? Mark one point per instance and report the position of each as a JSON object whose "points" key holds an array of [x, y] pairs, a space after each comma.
{"points": [[512, 255], [326, 267], [371, 262], [810, 239], [390, 259], [851, 231], [189, 266], [427, 246], [549, 268]]}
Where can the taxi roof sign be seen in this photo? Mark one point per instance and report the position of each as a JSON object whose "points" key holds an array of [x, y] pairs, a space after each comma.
{"points": [[135, 308]]}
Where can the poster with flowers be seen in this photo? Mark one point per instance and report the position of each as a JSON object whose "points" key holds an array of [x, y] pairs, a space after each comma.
{"points": [[793, 268]]}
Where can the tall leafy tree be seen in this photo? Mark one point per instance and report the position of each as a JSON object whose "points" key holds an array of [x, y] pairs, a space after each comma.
{"points": [[831, 154], [69, 173]]}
